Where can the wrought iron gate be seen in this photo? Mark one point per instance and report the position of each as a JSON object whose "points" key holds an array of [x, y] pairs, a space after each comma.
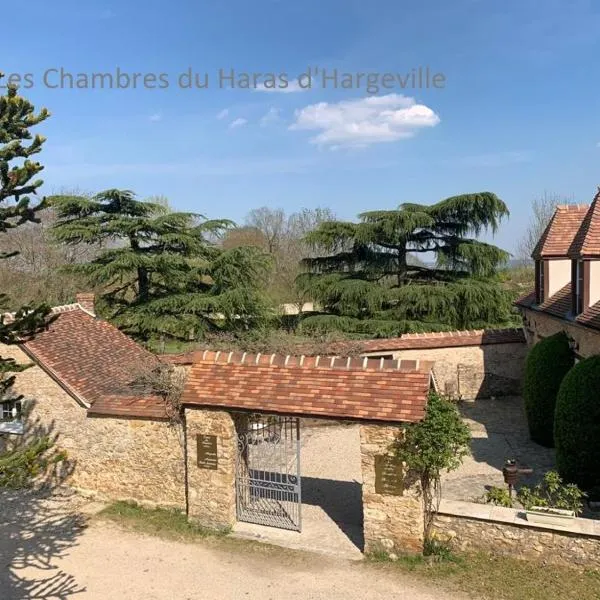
{"points": [[268, 471]]}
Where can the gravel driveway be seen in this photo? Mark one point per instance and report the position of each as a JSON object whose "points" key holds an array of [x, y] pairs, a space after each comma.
{"points": [[48, 552]]}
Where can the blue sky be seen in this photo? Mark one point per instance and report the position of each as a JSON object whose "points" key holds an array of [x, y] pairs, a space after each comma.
{"points": [[518, 113]]}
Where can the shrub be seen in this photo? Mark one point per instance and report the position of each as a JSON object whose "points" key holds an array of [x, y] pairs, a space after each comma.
{"points": [[547, 364], [552, 493], [577, 426], [438, 443], [19, 468], [498, 497]]}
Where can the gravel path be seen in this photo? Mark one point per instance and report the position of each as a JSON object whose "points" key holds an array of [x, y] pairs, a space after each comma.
{"points": [[47, 552]]}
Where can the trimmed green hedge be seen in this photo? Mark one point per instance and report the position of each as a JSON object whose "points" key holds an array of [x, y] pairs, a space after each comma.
{"points": [[547, 364], [577, 425]]}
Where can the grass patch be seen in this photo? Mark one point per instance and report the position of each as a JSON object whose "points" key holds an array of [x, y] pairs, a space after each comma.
{"points": [[499, 578], [164, 522]]}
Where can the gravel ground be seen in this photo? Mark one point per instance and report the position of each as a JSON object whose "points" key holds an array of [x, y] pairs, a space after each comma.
{"points": [[49, 551], [499, 430]]}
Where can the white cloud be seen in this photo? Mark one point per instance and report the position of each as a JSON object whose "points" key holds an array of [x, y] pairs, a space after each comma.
{"points": [[366, 121], [238, 123], [273, 116], [224, 113], [291, 88], [155, 118], [597, 144]]}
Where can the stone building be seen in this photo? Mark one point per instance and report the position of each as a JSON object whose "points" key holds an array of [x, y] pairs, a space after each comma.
{"points": [[210, 456], [567, 280]]}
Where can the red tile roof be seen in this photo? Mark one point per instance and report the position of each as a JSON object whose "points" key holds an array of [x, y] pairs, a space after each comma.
{"points": [[590, 317], [559, 305], [561, 231], [445, 339], [409, 341], [587, 240], [362, 389], [95, 362]]}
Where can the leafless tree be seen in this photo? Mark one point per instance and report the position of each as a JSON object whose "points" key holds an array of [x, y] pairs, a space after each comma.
{"points": [[282, 236], [542, 209], [35, 275]]}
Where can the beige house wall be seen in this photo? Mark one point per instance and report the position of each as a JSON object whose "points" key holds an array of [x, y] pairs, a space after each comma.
{"points": [[117, 459], [473, 371], [538, 325], [594, 282], [559, 274]]}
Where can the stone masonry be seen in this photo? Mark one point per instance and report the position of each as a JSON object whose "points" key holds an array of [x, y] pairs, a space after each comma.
{"points": [[211, 493], [539, 325], [477, 371], [505, 531], [392, 523], [114, 458]]}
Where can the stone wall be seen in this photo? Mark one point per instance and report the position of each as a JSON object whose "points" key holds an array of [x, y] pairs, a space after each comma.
{"points": [[211, 492], [505, 531], [478, 371], [392, 523], [538, 325], [115, 458]]}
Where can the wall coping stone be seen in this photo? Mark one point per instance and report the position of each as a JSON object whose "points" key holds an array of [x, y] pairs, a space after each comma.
{"points": [[512, 516]]}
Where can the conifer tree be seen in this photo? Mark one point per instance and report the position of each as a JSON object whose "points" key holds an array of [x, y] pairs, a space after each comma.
{"points": [[371, 283], [160, 273], [18, 183]]}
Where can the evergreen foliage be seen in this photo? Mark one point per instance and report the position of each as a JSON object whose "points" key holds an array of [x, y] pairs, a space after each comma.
{"points": [[18, 183], [547, 364], [368, 281], [577, 425], [438, 443], [160, 272]]}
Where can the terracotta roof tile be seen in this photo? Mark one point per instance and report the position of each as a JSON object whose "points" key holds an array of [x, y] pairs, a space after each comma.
{"points": [[587, 240], [445, 339], [561, 231], [410, 341], [590, 317], [94, 361], [560, 304], [364, 389]]}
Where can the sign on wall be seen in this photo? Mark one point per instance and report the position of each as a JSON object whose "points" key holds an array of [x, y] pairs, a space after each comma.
{"points": [[207, 452], [389, 475]]}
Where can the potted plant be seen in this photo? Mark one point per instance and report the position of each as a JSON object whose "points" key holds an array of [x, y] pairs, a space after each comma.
{"points": [[551, 502]]}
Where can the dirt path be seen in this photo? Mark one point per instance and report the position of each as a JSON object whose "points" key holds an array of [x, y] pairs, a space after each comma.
{"points": [[109, 562], [47, 553]]}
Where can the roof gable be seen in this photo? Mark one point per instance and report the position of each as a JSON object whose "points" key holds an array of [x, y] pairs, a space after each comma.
{"points": [[587, 239], [561, 231], [90, 358]]}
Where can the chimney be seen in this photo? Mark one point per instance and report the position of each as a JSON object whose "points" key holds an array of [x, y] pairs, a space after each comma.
{"points": [[86, 301]]}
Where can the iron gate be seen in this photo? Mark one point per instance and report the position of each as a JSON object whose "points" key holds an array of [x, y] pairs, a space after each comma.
{"points": [[268, 471]]}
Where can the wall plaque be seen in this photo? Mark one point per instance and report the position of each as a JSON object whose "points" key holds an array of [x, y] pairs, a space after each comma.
{"points": [[389, 476], [207, 451]]}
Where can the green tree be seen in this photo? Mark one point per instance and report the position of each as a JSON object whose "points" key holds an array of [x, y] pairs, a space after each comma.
{"points": [[547, 364], [161, 273], [18, 183], [368, 282], [438, 443]]}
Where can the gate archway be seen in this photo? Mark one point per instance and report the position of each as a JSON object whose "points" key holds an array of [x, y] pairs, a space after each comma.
{"points": [[267, 471]]}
